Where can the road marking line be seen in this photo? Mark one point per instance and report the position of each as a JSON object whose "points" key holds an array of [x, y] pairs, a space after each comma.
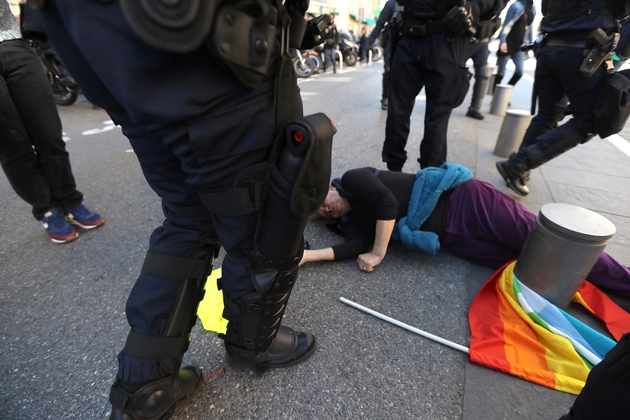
{"points": [[620, 143]]}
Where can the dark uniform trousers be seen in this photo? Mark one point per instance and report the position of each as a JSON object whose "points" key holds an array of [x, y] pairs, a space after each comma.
{"points": [[437, 64], [192, 127], [479, 53], [558, 79]]}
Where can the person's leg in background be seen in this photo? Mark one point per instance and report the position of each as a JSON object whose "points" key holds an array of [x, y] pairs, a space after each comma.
{"points": [[502, 61], [446, 81], [560, 67], [405, 83], [519, 62], [482, 76]]}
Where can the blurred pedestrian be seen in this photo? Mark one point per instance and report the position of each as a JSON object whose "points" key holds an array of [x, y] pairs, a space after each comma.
{"points": [[363, 45], [202, 104], [331, 45], [32, 151], [431, 54], [515, 32]]}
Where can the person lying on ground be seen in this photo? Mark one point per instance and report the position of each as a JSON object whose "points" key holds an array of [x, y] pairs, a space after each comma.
{"points": [[435, 208]]}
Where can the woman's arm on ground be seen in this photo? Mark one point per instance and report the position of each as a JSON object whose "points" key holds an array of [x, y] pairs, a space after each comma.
{"points": [[369, 260]]}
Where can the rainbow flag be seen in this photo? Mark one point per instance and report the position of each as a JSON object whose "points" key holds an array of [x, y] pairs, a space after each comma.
{"points": [[516, 331]]}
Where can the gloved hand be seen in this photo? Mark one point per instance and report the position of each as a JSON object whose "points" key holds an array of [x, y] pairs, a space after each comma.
{"points": [[459, 20], [314, 32], [300, 6]]}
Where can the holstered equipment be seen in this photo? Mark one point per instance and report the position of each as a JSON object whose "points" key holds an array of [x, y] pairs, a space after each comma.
{"points": [[395, 31], [240, 34], [600, 50], [247, 57], [612, 107], [283, 192]]}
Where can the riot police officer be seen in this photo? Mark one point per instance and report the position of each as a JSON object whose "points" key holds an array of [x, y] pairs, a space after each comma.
{"points": [[194, 89], [571, 64], [430, 53]]}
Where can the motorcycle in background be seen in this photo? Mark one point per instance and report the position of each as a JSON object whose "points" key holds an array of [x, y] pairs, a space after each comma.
{"points": [[349, 48], [65, 88]]}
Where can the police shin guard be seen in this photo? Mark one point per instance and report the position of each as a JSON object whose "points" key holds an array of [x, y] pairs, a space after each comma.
{"points": [[296, 186], [258, 341], [160, 398]]}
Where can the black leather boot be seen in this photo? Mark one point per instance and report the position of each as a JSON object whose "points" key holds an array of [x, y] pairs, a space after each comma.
{"points": [[289, 348], [515, 172], [257, 340], [474, 113], [156, 400]]}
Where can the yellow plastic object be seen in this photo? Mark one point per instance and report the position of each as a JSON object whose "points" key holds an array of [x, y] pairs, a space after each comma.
{"points": [[210, 310]]}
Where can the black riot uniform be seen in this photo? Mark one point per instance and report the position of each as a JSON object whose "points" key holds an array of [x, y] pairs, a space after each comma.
{"points": [[382, 29], [478, 51], [201, 93], [430, 54], [606, 394], [566, 27]]}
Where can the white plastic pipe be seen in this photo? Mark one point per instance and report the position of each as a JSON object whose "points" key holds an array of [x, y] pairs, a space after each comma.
{"points": [[405, 326]]}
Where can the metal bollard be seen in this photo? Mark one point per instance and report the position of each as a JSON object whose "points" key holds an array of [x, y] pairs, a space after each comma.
{"points": [[493, 74], [501, 99], [512, 131], [340, 56], [561, 249]]}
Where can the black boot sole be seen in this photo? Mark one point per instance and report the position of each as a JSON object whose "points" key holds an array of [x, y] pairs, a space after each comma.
{"points": [[508, 181]]}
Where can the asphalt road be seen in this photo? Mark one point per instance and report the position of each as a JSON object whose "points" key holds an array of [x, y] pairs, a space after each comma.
{"points": [[62, 306]]}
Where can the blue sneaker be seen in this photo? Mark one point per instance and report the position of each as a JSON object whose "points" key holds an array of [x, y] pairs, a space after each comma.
{"points": [[57, 227], [84, 218]]}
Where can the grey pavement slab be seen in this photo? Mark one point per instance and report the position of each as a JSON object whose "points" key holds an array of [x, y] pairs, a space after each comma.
{"points": [[62, 306]]}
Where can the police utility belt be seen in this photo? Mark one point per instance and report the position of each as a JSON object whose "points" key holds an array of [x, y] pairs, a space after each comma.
{"points": [[414, 27]]}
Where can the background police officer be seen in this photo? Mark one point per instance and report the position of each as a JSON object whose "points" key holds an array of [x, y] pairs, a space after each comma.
{"points": [[431, 53], [198, 109], [478, 51], [382, 29], [566, 26]]}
